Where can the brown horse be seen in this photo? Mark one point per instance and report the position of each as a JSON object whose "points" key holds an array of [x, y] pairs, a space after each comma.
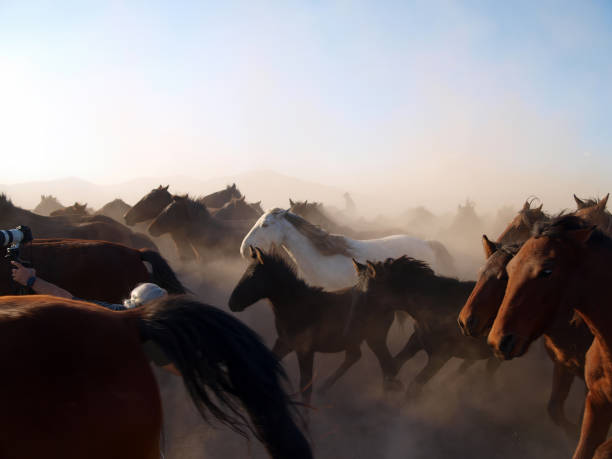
{"points": [[239, 209], [190, 221], [594, 211], [219, 198], [564, 265], [95, 270], [566, 341], [409, 285], [77, 382], [94, 227], [310, 319]]}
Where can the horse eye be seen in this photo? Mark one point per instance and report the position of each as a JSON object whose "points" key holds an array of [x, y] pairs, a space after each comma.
{"points": [[264, 225], [545, 273]]}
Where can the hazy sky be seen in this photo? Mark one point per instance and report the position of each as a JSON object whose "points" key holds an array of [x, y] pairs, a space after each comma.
{"points": [[406, 95]]}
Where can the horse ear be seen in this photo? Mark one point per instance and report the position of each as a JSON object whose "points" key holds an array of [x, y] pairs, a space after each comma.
{"points": [[242, 198], [582, 235], [252, 253], [259, 255], [371, 269], [489, 247], [579, 202], [166, 187], [601, 205], [291, 203], [526, 206], [258, 203], [233, 186], [358, 266]]}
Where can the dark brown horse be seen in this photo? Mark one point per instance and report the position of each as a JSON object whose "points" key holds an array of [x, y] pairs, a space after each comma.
{"points": [[566, 341], [94, 227], [519, 229], [77, 383], [219, 198], [310, 319], [566, 264], [189, 221], [409, 285], [95, 270], [239, 209]]}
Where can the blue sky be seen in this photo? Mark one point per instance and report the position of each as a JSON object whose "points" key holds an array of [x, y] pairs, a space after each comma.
{"points": [[337, 91]]}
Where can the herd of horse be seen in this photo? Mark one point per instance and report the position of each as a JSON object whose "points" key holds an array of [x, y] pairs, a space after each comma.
{"points": [[331, 288]]}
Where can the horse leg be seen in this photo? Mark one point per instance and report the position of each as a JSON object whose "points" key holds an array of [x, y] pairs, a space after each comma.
{"points": [[434, 364], [595, 425], [378, 345], [350, 357], [305, 362], [413, 346], [281, 349], [561, 385]]}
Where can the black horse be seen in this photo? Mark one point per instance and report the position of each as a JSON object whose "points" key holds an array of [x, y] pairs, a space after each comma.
{"points": [[433, 302], [310, 319]]}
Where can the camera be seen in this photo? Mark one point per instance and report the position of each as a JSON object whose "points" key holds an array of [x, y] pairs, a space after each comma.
{"points": [[15, 236]]}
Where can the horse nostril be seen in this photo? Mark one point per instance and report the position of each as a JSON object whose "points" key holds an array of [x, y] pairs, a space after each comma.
{"points": [[506, 345], [470, 324]]}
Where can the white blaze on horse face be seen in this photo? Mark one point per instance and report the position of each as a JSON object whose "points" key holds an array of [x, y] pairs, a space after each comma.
{"points": [[267, 231]]}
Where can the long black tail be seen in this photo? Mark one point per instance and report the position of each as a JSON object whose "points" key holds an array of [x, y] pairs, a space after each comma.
{"points": [[227, 371], [162, 275]]}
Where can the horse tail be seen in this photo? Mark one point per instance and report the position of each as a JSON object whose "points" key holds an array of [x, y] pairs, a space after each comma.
{"points": [[444, 261], [162, 274], [142, 241], [227, 370]]}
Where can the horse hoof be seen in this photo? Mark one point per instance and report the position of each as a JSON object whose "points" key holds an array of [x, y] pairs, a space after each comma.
{"points": [[393, 385]]}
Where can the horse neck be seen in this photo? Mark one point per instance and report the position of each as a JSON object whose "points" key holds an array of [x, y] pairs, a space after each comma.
{"points": [[287, 293], [436, 295], [590, 298]]}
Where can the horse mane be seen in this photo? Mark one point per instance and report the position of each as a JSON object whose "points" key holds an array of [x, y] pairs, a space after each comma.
{"points": [[408, 274], [326, 243], [195, 206], [283, 269], [563, 223]]}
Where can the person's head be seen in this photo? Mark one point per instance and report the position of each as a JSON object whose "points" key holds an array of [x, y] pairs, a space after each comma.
{"points": [[144, 293]]}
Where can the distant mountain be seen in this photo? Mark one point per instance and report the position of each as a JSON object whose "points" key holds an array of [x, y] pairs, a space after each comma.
{"points": [[272, 188]]}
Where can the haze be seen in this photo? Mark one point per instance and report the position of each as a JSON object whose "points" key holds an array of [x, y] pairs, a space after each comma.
{"points": [[427, 103]]}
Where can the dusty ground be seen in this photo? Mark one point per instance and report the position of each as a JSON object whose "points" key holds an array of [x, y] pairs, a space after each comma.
{"points": [[463, 416]]}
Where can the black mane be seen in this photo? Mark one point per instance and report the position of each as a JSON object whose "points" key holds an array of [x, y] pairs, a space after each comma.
{"points": [[562, 224]]}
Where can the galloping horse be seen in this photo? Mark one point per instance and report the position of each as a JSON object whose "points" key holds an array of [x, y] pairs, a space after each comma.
{"points": [[411, 286], [239, 209], [324, 259], [154, 202], [95, 270], [114, 209], [566, 264], [77, 384], [566, 341], [188, 220], [309, 319]]}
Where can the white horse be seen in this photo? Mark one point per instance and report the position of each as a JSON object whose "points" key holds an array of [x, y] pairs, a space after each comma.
{"points": [[325, 260]]}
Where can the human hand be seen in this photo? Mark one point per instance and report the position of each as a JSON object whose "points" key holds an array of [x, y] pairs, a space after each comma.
{"points": [[21, 274]]}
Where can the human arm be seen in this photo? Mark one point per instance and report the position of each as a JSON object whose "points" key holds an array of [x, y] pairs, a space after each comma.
{"points": [[21, 275]]}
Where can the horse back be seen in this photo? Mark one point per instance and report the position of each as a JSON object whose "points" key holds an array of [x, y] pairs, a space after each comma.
{"points": [[96, 270]]}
